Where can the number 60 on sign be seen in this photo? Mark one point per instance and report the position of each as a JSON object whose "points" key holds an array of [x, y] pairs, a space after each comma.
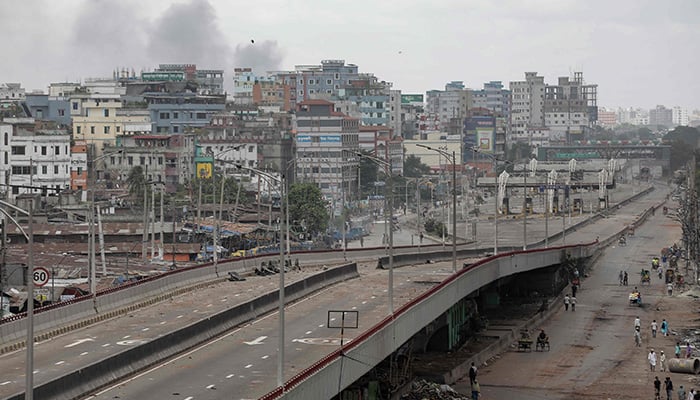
{"points": [[40, 276]]}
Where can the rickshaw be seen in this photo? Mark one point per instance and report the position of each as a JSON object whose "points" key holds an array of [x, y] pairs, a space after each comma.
{"points": [[646, 277], [635, 299], [622, 241], [655, 262], [670, 275]]}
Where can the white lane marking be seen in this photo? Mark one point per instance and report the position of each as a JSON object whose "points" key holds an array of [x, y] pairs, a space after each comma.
{"points": [[84, 353], [222, 300], [145, 329], [126, 337], [264, 357], [189, 398], [332, 319], [60, 362], [248, 366], [210, 386], [164, 322], [229, 376], [256, 341], [308, 332], [354, 308], [196, 349], [179, 316], [195, 310], [237, 294], [79, 341], [105, 345], [209, 305], [364, 302], [5, 383], [373, 297], [36, 371]]}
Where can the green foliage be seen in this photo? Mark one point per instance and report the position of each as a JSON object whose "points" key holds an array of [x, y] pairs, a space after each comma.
{"points": [[434, 227], [306, 205], [211, 190], [519, 151], [684, 141], [136, 181], [368, 174], [414, 168], [645, 133]]}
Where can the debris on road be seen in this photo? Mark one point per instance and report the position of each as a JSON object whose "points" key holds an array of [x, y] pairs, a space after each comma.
{"points": [[422, 390]]}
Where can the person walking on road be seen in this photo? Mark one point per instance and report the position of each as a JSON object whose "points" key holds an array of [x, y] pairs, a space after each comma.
{"points": [[652, 360], [574, 288], [637, 337], [664, 327], [637, 322], [681, 393], [662, 361], [678, 349], [567, 299], [654, 328], [476, 390], [573, 303], [657, 388], [621, 277], [624, 279], [668, 386], [688, 350], [472, 373]]}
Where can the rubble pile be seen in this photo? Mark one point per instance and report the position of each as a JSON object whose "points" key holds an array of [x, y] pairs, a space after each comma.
{"points": [[424, 390]]}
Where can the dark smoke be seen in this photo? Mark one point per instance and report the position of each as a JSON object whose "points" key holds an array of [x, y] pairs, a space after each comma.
{"points": [[261, 56], [189, 33]]}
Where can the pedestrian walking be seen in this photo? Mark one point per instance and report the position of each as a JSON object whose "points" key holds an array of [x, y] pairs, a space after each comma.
{"points": [[662, 361], [664, 327], [681, 393], [624, 279], [652, 360], [637, 322], [622, 276], [657, 388], [574, 288], [472, 373], [678, 349], [669, 288], [688, 350], [476, 390], [637, 337], [691, 394], [668, 386], [567, 300], [573, 303], [654, 327]]}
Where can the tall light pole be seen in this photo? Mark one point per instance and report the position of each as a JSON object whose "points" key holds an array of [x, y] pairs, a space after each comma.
{"points": [[389, 210], [495, 218], [453, 159], [281, 181]]}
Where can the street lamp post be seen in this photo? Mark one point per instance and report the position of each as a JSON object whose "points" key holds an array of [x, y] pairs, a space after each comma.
{"points": [[388, 210], [53, 277], [453, 159]]}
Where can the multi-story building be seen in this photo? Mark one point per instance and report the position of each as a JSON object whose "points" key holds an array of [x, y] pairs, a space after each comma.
{"points": [[246, 84], [570, 108], [450, 106], [35, 154], [680, 116], [606, 118], [327, 143], [484, 132], [372, 97], [49, 108], [163, 158], [11, 92], [79, 166], [412, 108], [394, 106], [661, 116], [436, 140], [182, 112], [209, 81], [527, 106], [493, 97], [382, 143]]}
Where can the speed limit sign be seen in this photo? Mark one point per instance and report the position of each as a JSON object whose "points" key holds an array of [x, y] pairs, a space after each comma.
{"points": [[40, 276]]}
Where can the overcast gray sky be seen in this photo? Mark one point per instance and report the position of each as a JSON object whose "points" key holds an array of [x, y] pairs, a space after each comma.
{"points": [[640, 52]]}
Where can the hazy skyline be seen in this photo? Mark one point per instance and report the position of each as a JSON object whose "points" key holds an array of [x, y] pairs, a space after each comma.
{"points": [[639, 52]]}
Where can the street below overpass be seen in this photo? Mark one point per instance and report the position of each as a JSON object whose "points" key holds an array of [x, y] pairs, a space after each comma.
{"points": [[242, 364]]}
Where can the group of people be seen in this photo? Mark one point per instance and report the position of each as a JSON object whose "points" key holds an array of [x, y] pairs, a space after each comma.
{"points": [[668, 388], [570, 300], [623, 278]]}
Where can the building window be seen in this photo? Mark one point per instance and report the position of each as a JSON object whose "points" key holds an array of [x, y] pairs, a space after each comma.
{"points": [[44, 169], [119, 128], [61, 112], [142, 160], [164, 115], [130, 160], [250, 149], [106, 130], [18, 150], [176, 129], [43, 150], [329, 82], [201, 115], [77, 130], [92, 129], [106, 112], [176, 115], [75, 105], [160, 160]]}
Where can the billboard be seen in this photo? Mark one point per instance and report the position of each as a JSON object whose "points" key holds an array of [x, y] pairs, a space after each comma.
{"points": [[484, 139], [411, 98], [204, 170], [303, 139], [475, 123], [330, 139]]}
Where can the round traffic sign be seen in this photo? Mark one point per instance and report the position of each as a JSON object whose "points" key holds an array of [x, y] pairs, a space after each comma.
{"points": [[40, 276]]}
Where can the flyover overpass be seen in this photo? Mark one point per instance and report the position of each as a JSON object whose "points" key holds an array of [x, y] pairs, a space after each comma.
{"points": [[223, 267]]}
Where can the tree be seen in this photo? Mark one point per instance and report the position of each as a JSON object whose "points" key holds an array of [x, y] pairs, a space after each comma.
{"points": [[414, 168], [136, 181], [307, 207], [645, 133], [368, 174], [684, 140]]}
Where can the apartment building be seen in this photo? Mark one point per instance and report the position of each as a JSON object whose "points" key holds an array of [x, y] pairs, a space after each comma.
{"points": [[35, 156], [327, 143], [493, 97], [570, 108], [450, 106], [182, 112], [527, 106], [661, 116], [680, 116]]}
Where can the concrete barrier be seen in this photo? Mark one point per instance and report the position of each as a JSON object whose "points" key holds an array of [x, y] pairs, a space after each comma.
{"points": [[103, 372]]}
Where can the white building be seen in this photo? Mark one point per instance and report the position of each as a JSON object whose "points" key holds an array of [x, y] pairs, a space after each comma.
{"points": [[34, 154], [394, 106], [527, 106], [11, 92], [449, 105], [680, 116]]}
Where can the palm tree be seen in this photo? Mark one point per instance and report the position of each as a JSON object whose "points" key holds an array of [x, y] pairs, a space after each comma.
{"points": [[136, 181]]}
